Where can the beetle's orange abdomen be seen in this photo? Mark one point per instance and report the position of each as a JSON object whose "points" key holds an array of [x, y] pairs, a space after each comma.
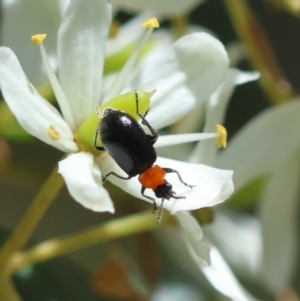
{"points": [[152, 177]]}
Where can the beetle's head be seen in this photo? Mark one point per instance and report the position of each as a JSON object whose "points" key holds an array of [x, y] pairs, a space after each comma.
{"points": [[165, 191]]}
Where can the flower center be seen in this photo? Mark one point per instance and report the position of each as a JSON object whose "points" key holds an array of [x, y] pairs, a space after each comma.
{"points": [[125, 102]]}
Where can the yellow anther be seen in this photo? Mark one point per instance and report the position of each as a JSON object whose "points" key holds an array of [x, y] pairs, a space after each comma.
{"points": [[151, 23], [37, 39], [222, 136], [53, 133]]}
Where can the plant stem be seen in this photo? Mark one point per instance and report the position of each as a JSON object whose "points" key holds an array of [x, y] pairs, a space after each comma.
{"points": [[117, 228], [32, 217], [179, 25], [7, 290], [259, 50], [291, 6]]}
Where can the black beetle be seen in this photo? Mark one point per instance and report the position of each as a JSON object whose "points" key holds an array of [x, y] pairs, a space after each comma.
{"points": [[132, 149]]}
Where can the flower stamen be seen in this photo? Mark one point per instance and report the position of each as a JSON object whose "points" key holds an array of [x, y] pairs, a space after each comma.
{"points": [[57, 89], [38, 38], [151, 23], [53, 132], [118, 84], [222, 136]]}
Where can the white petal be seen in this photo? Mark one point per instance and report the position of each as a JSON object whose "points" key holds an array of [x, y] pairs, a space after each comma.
{"points": [[213, 186], [179, 250], [22, 19], [32, 111], [127, 34], [238, 237], [81, 46], [218, 274], [278, 212], [62, 4], [215, 113], [190, 122], [218, 101], [184, 74], [166, 140], [84, 182], [160, 39], [222, 279], [263, 144], [166, 7], [123, 74], [194, 235], [57, 89]]}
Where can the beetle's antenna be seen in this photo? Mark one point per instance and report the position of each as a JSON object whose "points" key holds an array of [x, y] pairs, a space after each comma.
{"points": [[160, 213], [173, 195]]}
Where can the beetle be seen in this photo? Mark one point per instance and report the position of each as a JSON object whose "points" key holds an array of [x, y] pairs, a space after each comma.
{"points": [[132, 149]]}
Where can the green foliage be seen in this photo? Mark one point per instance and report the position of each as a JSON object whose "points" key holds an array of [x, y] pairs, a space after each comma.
{"points": [[249, 194]]}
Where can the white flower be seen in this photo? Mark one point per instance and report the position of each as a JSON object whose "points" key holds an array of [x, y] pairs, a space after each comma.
{"points": [[192, 258], [275, 135], [218, 272], [258, 247], [184, 74]]}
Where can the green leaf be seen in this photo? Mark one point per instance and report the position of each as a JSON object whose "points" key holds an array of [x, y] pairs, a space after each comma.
{"points": [[249, 194]]}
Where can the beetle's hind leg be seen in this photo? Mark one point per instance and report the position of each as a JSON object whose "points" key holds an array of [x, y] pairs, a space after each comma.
{"points": [[170, 170], [149, 197], [116, 175]]}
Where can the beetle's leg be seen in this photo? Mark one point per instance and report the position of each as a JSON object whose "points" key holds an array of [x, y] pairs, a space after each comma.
{"points": [[98, 112], [146, 112], [170, 170], [154, 133], [149, 197], [116, 175], [154, 136], [159, 216], [97, 134]]}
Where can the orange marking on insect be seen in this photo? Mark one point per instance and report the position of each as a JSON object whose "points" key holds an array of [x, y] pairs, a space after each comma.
{"points": [[152, 177]]}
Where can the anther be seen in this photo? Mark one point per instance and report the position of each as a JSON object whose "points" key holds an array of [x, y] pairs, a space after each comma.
{"points": [[151, 23], [38, 38], [222, 136], [53, 133]]}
